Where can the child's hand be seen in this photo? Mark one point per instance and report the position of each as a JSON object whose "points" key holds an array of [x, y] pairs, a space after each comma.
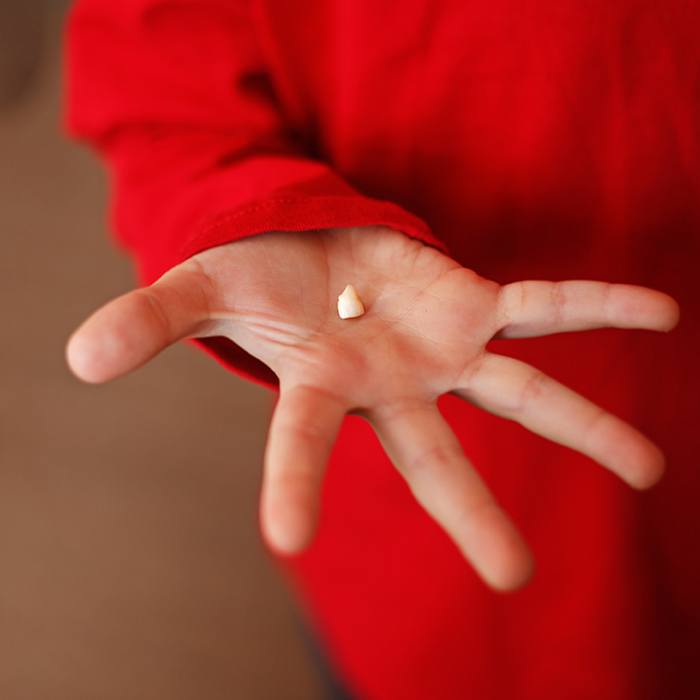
{"points": [[424, 334]]}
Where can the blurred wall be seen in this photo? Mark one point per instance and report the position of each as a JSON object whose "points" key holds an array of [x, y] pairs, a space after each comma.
{"points": [[130, 562]]}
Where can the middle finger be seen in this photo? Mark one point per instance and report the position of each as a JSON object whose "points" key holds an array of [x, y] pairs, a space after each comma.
{"points": [[426, 452]]}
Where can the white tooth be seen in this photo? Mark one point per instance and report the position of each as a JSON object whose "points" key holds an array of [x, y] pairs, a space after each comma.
{"points": [[349, 303]]}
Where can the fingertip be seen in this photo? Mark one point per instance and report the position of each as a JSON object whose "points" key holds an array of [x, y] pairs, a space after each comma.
{"points": [[286, 530], [81, 359], [673, 314], [499, 553], [98, 352], [663, 311], [645, 308], [651, 470], [121, 336], [513, 575]]}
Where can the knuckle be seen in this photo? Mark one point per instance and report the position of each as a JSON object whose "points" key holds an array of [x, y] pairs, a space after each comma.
{"points": [[481, 510], [606, 303], [558, 302], [155, 309], [598, 429], [532, 389], [301, 431], [434, 458], [514, 297]]}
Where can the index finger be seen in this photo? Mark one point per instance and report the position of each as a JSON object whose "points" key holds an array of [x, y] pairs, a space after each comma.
{"points": [[302, 432]]}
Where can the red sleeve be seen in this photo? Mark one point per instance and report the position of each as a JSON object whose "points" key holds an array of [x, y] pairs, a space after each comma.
{"points": [[175, 97]]}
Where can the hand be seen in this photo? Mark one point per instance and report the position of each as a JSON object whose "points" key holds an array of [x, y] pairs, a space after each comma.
{"points": [[424, 334]]}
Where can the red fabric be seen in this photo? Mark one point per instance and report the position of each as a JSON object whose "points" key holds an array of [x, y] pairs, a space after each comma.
{"points": [[542, 139]]}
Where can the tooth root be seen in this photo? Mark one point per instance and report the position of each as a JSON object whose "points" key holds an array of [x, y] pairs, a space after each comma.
{"points": [[349, 303]]}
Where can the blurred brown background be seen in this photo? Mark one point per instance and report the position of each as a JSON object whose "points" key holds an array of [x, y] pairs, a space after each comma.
{"points": [[130, 562]]}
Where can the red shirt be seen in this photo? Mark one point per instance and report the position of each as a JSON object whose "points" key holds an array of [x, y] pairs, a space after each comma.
{"points": [[546, 139]]}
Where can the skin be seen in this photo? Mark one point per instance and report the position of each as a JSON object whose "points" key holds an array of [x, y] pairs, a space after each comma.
{"points": [[424, 334]]}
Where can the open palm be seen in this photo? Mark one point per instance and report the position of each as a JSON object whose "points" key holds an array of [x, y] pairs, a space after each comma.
{"points": [[424, 334]]}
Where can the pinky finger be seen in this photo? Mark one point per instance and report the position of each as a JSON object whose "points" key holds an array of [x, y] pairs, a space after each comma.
{"points": [[535, 308]]}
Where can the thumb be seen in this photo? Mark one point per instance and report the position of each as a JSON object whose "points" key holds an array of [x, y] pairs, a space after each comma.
{"points": [[132, 329]]}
